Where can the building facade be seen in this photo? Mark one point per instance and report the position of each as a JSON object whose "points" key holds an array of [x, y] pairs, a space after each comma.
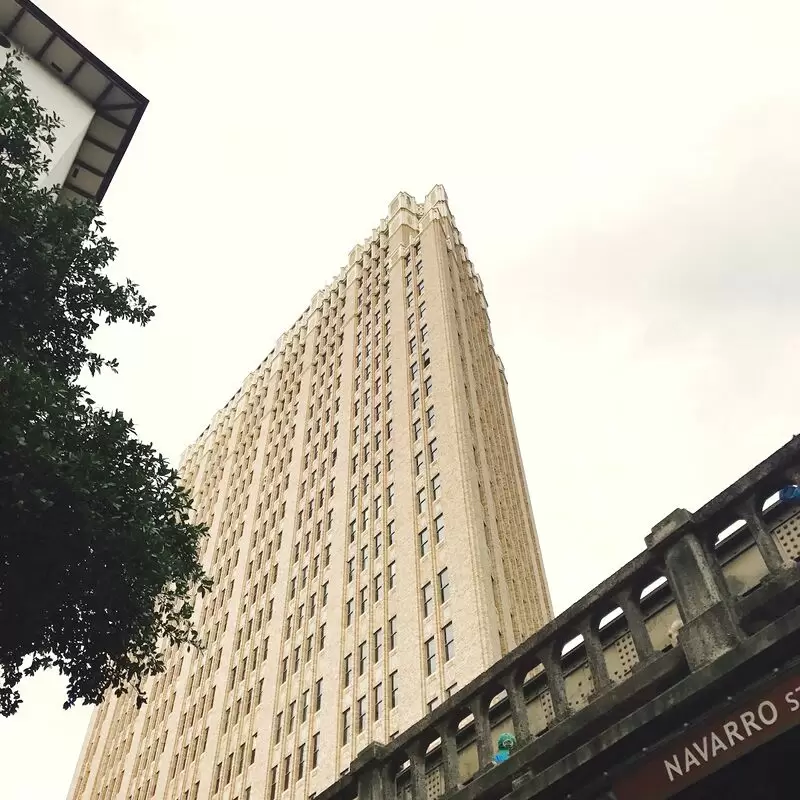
{"points": [[371, 538]]}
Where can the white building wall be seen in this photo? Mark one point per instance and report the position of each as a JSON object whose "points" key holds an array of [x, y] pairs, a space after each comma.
{"points": [[73, 111]]}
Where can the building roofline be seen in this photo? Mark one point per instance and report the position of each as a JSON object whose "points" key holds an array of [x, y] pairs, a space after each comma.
{"points": [[118, 106]]}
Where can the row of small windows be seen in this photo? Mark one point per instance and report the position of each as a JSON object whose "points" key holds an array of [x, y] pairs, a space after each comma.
{"points": [[299, 767], [361, 708]]}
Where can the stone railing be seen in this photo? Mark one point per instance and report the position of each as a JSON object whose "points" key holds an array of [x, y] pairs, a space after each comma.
{"points": [[701, 587]]}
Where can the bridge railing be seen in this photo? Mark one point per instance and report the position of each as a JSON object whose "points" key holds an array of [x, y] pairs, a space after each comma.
{"points": [[675, 607]]}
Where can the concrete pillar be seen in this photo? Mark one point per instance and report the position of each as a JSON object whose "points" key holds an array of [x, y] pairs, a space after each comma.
{"points": [[765, 542], [519, 708], [483, 731], [595, 656], [710, 627], [550, 657], [450, 766], [375, 777], [637, 626], [416, 755]]}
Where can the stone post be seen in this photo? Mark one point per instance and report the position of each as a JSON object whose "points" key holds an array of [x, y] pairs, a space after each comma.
{"points": [[595, 656], [766, 544], [637, 626], [550, 656], [450, 766], [375, 777], [416, 755], [483, 731], [710, 627], [519, 708]]}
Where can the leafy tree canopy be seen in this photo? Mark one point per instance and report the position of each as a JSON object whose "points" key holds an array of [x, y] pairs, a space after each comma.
{"points": [[98, 551]]}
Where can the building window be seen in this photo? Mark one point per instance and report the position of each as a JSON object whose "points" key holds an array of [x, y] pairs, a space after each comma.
{"points": [[436, 487], [390, 530], [392, 574], [362, 658], [428, 386], [390, 495], [346, 726], [364, 556], [378, 546], [393, 690], [419, 463], [361, 714], [423, 333], [348, 609], [430, 656], [424, 542], [439, 523], [348, 668], [427, 599], [392, 632], [430, 416], [417, 429], [377, 641], [433, 449], [363, 599], [422, 501], [444, 585], [287, 772], [315, 751], [432, 704], [273, 782], [378, 701], [426, 356], [449, 641], [378, 581], [414, 371], [318, 695], [301, 761], [415, 399]]}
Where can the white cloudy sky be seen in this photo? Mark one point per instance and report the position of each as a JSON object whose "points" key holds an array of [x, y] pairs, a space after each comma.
{"points": [[625, 175]]}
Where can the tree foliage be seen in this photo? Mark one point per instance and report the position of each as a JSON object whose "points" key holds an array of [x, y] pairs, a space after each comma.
{"points": [[98, 553]]}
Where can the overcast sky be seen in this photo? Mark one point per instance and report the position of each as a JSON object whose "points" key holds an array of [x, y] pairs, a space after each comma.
{"points": [[625, 176]]}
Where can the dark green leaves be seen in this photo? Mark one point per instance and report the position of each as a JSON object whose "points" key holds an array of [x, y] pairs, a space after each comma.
{"points": [[98, 557]]}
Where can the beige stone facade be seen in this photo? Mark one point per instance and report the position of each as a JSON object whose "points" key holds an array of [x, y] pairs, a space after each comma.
{"points": [[372, 543]]}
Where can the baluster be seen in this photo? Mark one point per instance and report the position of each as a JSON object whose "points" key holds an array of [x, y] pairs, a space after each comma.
{"points": [[416, 755], [595, 656], [764, 540], [550, 657], [451, 770], [483, 731], [519, 708], [637, 626]]}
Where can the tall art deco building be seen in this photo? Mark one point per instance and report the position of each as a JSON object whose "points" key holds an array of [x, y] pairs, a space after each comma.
{"points": [[372, 544]]}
